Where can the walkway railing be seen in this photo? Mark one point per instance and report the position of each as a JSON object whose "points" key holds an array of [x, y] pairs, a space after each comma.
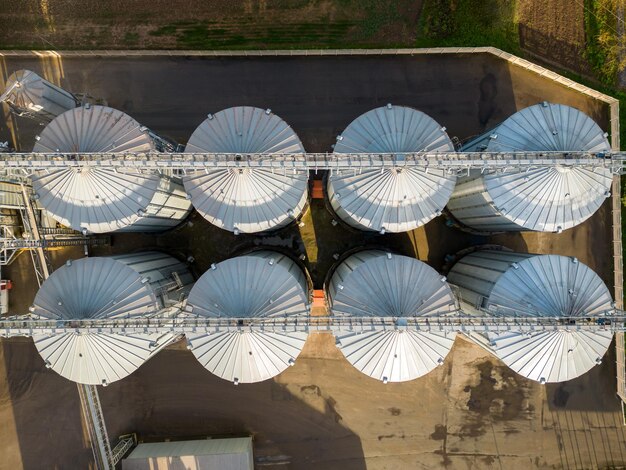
{"points": [[451, 161], [24, 326]]}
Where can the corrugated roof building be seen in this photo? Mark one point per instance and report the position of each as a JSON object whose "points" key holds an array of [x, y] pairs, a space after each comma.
{"points": [[207, 454]]}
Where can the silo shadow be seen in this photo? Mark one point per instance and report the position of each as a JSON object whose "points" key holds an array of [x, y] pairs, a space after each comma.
{"points": [[294, 423]]}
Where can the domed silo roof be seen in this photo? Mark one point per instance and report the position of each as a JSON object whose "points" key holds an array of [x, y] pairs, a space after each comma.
{"points": [[101, 199], [260, 285], [378, 284], [28, 92], [546, 199], [103, 288], [514, 284], [246, 200], [396, 199], [548, 127], [552, 356]]}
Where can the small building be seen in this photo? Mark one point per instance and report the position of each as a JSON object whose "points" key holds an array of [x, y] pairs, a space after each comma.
{"points": [[206, 454]]}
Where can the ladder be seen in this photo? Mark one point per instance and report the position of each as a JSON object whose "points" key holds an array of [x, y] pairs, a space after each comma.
{"points": [[92, 413]]}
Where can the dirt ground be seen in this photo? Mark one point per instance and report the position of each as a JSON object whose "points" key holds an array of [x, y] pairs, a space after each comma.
{"points": [[470, 413], [555, 31]]}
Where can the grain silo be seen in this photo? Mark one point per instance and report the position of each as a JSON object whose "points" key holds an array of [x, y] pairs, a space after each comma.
{"points": [[394, 199], [259, 286], [99, 199], [545, 199], [29, 94], [247, 200], [514, 284], [374, 283], [117, 287]]}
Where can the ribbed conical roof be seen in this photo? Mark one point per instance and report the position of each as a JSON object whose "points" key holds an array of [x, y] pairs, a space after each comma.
{"points": [[97, 199], [247, 356], [97, 359], [548, 127], [547, 199], [28, 91], [551, 286], [94, 129], [100, 199], [263, 284], [513, 284], [395, 355], [246, 200], [552, 356], [95, 288], [377, 284], [373, 283], [395, 200]]}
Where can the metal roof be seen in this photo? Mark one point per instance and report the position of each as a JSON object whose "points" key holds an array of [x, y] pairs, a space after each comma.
{"points": [[101, 288], [27, 91], [512, 284], [94, 129], [262, 284], [547, 199], [205, 454], [101, 199], [394, 199], [246, 200], [377, 284], [247, 356], [548, 127], [395, 355], [374, 283], [552, 356], [533, 285]]}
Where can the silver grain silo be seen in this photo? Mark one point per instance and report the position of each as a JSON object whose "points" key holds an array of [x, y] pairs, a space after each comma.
{"points": [[99, 199], [394, 199], [374, 283], [545, 199], [127, 286], [29, 94], [257, 286], [247, 200], [514, 284]]}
